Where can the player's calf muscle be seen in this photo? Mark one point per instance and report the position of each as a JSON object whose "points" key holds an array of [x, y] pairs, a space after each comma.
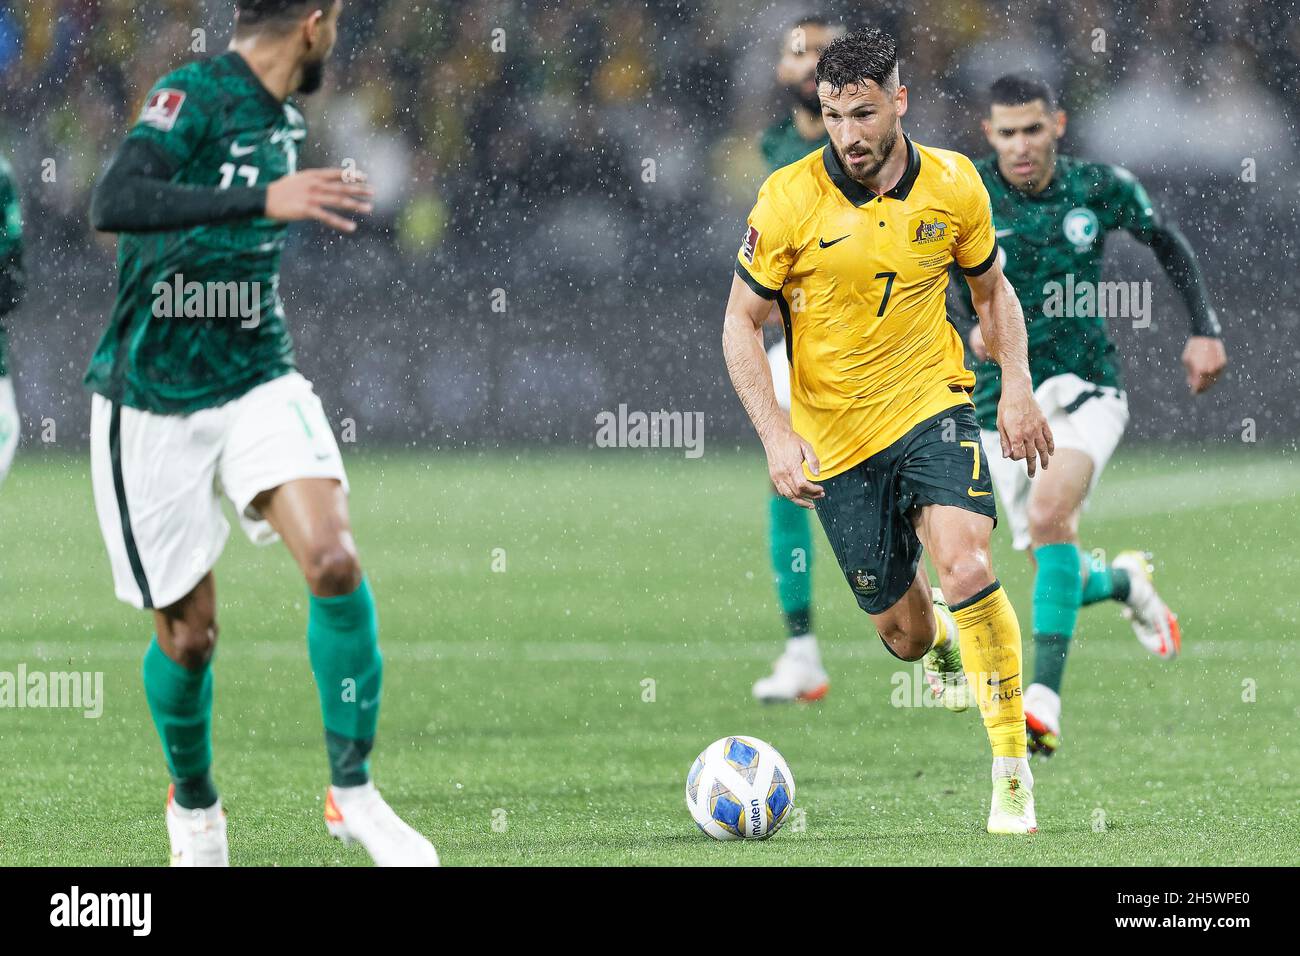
{"points": [[907, 640], [907, 628]]}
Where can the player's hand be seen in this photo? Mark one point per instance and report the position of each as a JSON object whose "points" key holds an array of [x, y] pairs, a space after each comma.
{"points": [[977, 344], [1204, 359], [313, 193], [785, 457], [1023, 429]]}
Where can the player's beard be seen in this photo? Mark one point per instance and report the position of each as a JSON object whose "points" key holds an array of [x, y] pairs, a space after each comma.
{"points": [[313, 75], [886, 150], [808, 101]]}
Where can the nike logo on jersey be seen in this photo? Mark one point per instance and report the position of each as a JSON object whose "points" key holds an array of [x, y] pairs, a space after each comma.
{"points": [[236, 150], [1002, 680], [826, 245], [976, 494]]}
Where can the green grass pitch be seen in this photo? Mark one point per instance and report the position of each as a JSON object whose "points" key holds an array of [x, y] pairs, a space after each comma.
{"points": [[515, 696]]}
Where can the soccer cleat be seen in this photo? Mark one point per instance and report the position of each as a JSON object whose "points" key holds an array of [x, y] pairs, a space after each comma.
{"points": [[1012, 809], [943, 667], [798, 674], [1154, 624], [1042, 720], [360, 814], [198, 837]]}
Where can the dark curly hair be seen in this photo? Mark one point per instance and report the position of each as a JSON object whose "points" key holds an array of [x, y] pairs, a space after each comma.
{"points": [[275, 14], [864, 54], [1017, 89]]}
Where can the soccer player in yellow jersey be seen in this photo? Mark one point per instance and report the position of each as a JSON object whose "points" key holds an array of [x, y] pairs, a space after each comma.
{"points": [[853, 243]]}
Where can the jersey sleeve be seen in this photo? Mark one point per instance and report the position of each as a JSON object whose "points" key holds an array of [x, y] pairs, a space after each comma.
{"points": [[174, 117], [12, 279], [976, 247], [766, 252], [11, 225], [1127, 201]]}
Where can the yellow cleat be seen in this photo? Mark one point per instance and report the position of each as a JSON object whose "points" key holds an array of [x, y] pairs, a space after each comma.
{"points": [[943, 668]]}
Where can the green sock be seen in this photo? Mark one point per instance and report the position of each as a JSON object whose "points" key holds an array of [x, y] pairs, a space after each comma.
{"points": [[1058, 592], [180, 701], [343, 645], [1105, 584], [790, 541]]}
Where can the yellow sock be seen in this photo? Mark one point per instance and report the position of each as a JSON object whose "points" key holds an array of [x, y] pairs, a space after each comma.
{"points": [[991, 655]]}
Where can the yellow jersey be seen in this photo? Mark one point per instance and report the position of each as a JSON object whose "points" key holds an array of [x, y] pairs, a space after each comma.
{"points": [[859, 279]]}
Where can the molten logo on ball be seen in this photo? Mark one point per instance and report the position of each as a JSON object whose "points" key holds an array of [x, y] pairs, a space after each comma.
{"points": [[739, 788]]}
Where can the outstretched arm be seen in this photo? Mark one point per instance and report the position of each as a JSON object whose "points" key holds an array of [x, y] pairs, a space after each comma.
{"points": [[1021, 425], [742, 344], [136, 194], [1204, 357]]}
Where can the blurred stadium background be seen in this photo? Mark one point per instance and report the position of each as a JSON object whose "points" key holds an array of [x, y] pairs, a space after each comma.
{"points": [[523, 171]]}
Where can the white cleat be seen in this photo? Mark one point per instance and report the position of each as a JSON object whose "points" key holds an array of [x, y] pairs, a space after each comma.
{"points": [[1154, 624], [1012, 809], [798, 674], [198, 837], [360, 814]]}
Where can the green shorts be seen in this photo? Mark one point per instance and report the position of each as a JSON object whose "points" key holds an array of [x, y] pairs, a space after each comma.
{"points": [[867, 511]]}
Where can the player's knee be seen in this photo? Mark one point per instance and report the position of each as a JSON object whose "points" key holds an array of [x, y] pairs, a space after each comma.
{"points": [[193, 641], [333, 569], [964, 575], [1051, 521]]}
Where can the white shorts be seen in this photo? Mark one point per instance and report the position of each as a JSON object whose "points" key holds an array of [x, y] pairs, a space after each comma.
{"points": [[780, 367], [10, 425], [1087, 417], [159, 480]]}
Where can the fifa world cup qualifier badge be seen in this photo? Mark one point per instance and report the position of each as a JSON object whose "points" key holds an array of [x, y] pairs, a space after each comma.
{"points": [[162, 109]]}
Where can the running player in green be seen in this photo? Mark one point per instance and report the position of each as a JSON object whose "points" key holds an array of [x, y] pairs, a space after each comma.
{"points": [[798, 673], [196, 395], [11, 293], [1053, 213]]}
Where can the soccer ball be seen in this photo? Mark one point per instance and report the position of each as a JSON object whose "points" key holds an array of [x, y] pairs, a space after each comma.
{"points": [[740, 788]]}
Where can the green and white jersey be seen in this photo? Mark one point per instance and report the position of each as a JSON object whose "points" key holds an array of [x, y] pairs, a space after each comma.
{"points": [[782, 144], [11, 238], [1043, 239], [173, 345]]}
